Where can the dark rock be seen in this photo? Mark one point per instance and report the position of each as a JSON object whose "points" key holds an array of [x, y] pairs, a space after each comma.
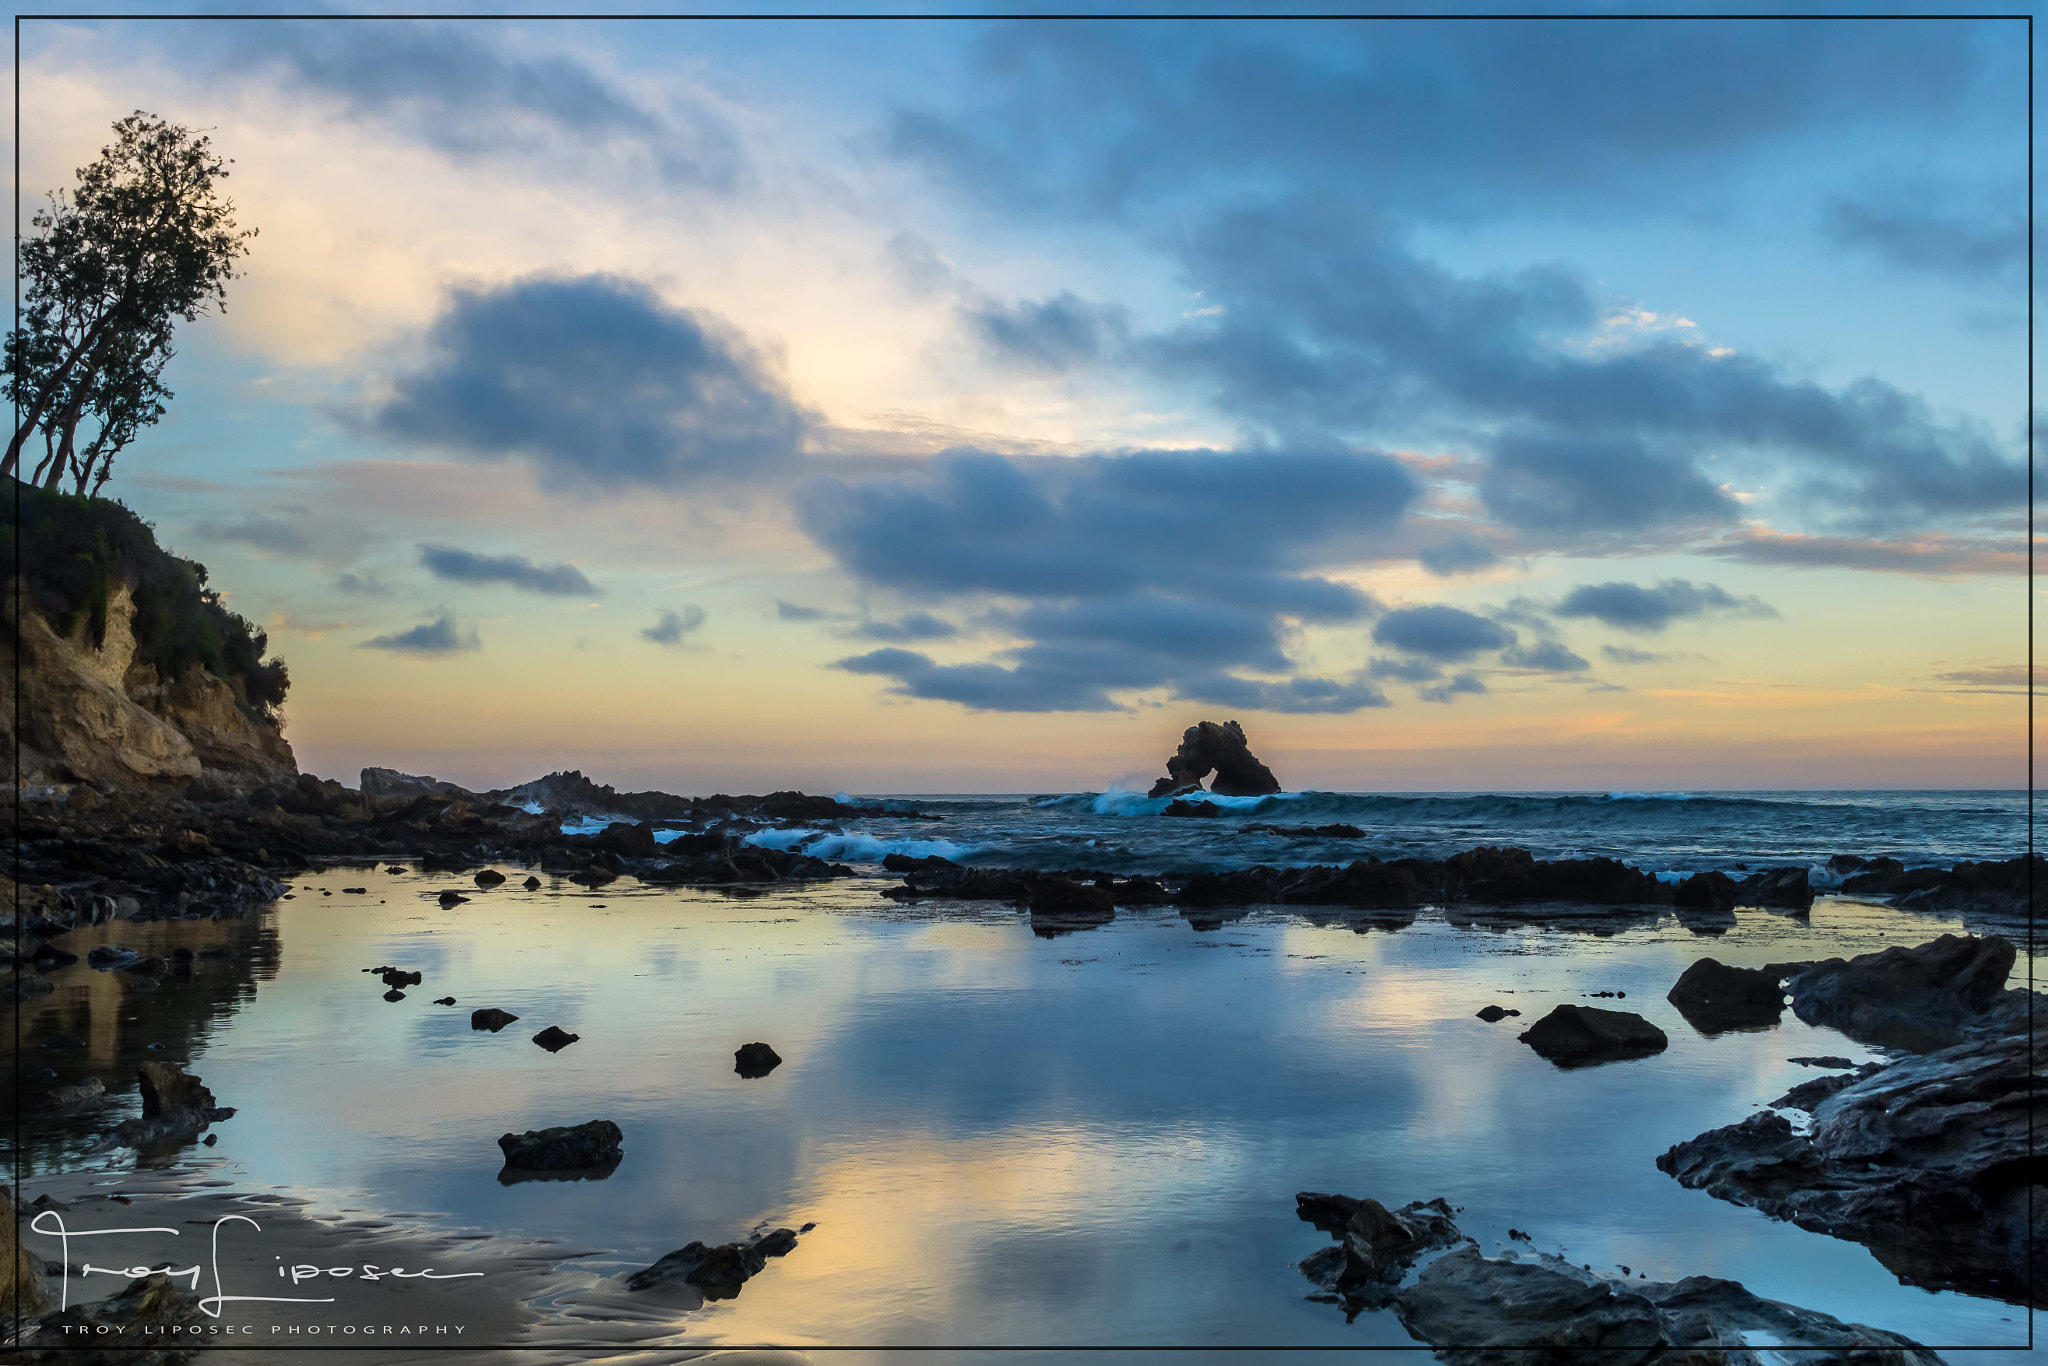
{"points": [[1705, 892], [394, 870], [490, 1018], [488, 877], [1305, 832], [1179, 807], [1061, 906], [1714, 997], [1918, 998], [158, 1322], [394, 995], [1490, 1014], [716, 1272], [1807, 1095], [568, 1148], [940, 878], [1207, 746], [395, 977], [63, 1043], [1785, 889], [1826, 1060], [176, 1107], [752, 1060], [385, 782], [26, 986], [1579, 1036], [532, 883], [1926, 1161], [554, 1038], [596, 875], [1375, 1246], [444, 1000], [452, 898]]}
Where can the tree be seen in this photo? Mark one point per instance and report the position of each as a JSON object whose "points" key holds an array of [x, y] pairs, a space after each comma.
{"points": [[144, 241]]}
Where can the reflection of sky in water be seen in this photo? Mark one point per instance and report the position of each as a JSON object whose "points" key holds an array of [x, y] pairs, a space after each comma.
{"points": [[1005, 1139]]}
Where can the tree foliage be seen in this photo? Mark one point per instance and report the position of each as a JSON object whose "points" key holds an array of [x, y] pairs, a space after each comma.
{"points": [[144, 241]]}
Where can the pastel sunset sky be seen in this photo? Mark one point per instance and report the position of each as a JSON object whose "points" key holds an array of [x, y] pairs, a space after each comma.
{"points": [[913, 406]]}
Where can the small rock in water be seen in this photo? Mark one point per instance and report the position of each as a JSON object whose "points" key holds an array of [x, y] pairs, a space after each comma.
{"points": [[1492, 1013], [394, 869], [394, 995], [452, 898], [716, 1272], [490, 1018], [755, 1060], [444, 1001], [570, 1147], [398, 977], [489, 877], [532, 883], [554, 1039], [1825, 1060], [1579, 1036]]}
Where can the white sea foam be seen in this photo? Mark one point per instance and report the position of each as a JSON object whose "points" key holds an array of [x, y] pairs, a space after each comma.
{"points": [[856, 846]]}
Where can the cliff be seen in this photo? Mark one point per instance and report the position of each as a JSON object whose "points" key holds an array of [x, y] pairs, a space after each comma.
{"points": [[129, 673]]}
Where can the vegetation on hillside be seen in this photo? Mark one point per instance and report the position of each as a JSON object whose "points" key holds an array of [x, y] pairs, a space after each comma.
{"points": [[71, 550]]}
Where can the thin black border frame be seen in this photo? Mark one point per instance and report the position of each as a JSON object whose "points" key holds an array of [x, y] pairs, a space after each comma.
{"points": [[15, 1174]]}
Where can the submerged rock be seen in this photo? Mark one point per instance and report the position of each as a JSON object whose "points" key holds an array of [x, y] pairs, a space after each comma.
{"points": [[752, 1060], [1207, 746], [568, 1148], [1714, 997], [1581, 1036], [1494, 1014], [716, 1272], [491, 1018], [1375, 1245]]}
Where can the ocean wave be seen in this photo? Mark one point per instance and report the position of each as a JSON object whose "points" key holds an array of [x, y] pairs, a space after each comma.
{"points": [[856, 846]]}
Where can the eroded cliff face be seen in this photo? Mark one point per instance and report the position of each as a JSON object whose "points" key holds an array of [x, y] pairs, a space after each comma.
{"points": [[95, 716]]}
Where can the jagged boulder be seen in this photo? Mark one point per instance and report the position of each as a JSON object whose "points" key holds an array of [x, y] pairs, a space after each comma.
{"points": [[716, 1272], [566, 1148], [1714, 997], [1222, 749], [389, 782], [1580, 1036], [1918, 998]]}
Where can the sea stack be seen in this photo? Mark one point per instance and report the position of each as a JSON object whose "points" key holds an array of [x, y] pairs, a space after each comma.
{"points": [[1207, 747]]}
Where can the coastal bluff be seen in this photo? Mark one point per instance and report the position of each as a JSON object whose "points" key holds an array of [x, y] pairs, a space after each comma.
{"points": [[132, 675]]}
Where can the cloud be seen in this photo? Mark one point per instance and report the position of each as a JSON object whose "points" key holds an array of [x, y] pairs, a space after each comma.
{"points": [[289, 532], [1051, 336], [673, 626], [1440, 632], [1543, 482], [599, 384], [272, 535], [1925, 230], [436, 637], [361, 585], [791, 611], [1631, 607], [1450, 691], [1621, 654], [1548, 656], [1935, 556], [1458, 554], [915, 626], [1405, 670], [1991, 676], [1139, 571], [460, 91], [514, 571]]}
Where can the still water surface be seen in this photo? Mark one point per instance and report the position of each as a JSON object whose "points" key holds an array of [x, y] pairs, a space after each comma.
{"points": [[1003, 1139]]}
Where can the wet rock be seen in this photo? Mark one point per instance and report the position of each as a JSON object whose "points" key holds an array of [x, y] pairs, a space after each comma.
{"points": [[716, 1272], [394, 995], [568, 1148], [1511, 1311], [152, 1317], [76, 1096], [26, 986], [1825, 1060], [1714, 997], [1581, 1036], [1181, 807], [444, 1001], [1305, 832], [176, 1108], [1785, 889], [554, 1038], [491, 1018], [595, 875], [1207, 746], [488, 877], [752, 1060], [532, 883], [398, 977], [1061, 906], [1711, 891], [941, 878], [452, 898], [1808, 1095], [1492, 1014], [394, 870], [1375, 1245], [1919, 998], [1926, 1161]]}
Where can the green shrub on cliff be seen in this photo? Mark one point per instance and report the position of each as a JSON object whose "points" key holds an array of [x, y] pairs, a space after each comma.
{"points": [[72, 549]]}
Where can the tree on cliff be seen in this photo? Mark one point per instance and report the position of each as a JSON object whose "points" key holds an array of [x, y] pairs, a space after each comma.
{"points": [[145, 240]]}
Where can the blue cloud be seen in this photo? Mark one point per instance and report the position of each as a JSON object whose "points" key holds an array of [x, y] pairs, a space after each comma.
{"points": [[514, 571], [436, 637], [1549, 656], [1925, 230], [1461, 553], [1631, 607], [796, 611], [1450, 691], [671, 627], [1438, 631], [599, 384], [1050, 336], [914, 626]]}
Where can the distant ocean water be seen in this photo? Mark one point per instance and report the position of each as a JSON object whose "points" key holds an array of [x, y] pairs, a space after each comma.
{"points": [[1664, 832]]}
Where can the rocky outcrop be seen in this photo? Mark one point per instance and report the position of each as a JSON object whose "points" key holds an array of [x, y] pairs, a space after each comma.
{"points": [[567, 1148], [1925, 1161], [176, 1108], [1512, 1310], [1581, 1036], [1714, 997], [1207, 747], [753, 1060], [1061, 905], [95, 715], [1994, 890], [389, 782], [1918, 998]]}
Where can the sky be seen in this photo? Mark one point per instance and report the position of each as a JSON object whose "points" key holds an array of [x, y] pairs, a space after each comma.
{"points": [[972, 405]]}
